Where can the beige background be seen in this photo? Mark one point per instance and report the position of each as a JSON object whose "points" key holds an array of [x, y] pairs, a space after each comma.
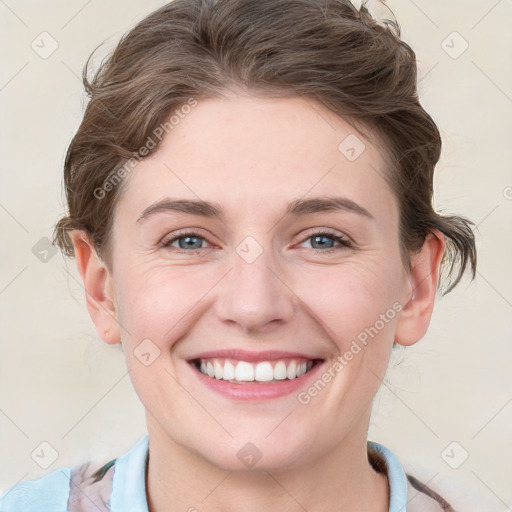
{"points": [[60, 384]]}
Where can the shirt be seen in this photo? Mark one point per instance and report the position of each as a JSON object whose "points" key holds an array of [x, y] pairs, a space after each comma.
{"points": [[120, 486]]}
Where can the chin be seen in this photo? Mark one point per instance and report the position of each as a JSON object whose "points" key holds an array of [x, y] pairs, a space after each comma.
{"points": [[243, 455]]}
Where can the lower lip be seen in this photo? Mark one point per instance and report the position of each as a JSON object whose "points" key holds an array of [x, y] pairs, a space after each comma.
{"points": [[253, 390]]}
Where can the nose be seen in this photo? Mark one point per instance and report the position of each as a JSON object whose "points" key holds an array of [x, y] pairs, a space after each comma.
{"points": [[254, 295]]}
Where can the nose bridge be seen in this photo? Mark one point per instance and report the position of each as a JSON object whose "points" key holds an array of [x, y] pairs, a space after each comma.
{"points": [[254, 293]]}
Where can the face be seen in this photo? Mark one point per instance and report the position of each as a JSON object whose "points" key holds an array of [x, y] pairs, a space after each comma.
{"points": [[266, 284]]}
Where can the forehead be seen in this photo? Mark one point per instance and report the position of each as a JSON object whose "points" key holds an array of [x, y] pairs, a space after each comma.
{"points": [[254, 153]]}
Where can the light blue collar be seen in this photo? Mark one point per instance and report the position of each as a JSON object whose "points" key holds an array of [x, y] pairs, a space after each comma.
{"points": [[396, 477], [129, 481]]}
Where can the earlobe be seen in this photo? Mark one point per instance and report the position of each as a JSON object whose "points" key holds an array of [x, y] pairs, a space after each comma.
{"points": [[97, 282], [414, 318]]}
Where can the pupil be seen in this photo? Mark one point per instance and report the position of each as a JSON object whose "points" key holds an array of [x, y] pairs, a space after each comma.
{"points": [[319, 237], [187, 239]]}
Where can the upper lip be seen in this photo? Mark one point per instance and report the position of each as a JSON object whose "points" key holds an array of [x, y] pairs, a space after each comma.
{"points": [[247, 355]]}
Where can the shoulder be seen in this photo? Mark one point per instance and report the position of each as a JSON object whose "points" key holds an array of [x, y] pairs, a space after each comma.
{"points": [[91, 487], [450, 491], [70, 489], [118, 484], [50, 492], [414, 489], [423, 498]]}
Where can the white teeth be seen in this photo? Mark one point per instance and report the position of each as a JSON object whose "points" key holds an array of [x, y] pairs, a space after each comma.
{"points": [[301, 370], [264, 371], [292, 370], [229, 371], [217, 367], [244, 371], [280, 371]]}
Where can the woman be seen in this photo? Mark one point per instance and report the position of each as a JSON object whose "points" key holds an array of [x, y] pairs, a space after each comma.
{"points": [[250, 208]]}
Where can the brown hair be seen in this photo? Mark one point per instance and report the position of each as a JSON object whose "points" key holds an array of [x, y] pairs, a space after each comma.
{"points": [[326, 50]]}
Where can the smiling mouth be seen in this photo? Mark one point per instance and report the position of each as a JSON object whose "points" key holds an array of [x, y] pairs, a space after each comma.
{"points": [[244, 372]]}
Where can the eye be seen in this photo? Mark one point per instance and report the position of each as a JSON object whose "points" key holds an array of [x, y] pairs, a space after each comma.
{"points": [[190, 241], [187, 242], [320, 237]]}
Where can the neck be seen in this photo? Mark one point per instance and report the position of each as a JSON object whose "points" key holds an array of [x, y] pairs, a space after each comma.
{"points": [[342, 479]]}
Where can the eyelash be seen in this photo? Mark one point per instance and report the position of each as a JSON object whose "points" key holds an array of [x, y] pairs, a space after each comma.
{"points": [[345, 243]]}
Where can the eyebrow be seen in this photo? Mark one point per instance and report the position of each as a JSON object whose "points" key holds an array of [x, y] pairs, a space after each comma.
{"points": [[297, 208]]}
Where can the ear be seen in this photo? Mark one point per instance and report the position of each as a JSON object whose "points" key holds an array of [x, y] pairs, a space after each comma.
{"points": [[98, 285], [414, 318]]}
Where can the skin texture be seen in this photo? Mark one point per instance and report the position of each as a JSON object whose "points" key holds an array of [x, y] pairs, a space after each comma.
{"points": [[253, 156]]}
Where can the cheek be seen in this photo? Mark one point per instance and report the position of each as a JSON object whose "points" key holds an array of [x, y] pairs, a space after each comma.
{"points": [[157, 305], [158, 301], [351, 297], [357, 307]]}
